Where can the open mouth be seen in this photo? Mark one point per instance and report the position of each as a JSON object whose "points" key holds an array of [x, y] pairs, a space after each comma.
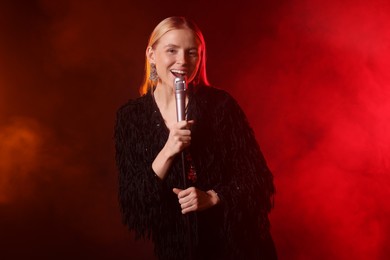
{"points": [[178, 73]]}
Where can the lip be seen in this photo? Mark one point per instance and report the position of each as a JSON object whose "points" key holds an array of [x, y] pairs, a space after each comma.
{"points": [[179, 73]]}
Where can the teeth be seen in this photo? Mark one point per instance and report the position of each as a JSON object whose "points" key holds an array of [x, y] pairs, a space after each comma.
{"points": [[179, 72]]}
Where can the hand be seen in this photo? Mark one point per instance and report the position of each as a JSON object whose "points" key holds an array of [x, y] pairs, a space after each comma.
{"points": [[193, 199], [179, 138]]}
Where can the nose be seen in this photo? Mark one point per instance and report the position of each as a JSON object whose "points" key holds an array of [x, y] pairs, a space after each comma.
{"points": [[182, 58]]}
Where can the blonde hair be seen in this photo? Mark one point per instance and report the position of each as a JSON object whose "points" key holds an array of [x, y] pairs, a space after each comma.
{"points": [[166, 25]]}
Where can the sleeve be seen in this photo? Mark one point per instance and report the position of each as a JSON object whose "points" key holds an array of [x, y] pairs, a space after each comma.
{"points": [[139, 189], [246, 192]]}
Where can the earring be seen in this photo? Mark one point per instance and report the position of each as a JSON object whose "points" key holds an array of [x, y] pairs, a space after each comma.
{"points": [[153, 72]]}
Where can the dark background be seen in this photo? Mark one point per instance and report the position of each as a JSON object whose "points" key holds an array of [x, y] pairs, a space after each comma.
{"points": [[312, 76]]}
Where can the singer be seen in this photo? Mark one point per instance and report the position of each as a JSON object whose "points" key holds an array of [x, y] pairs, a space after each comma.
{"points": [[221, 212]]}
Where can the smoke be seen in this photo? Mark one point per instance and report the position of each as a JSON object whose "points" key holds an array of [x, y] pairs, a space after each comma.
{"points": [[86, 36], [60, 74], [323, 122], [47, 188], [21, 144], [311, 75]]}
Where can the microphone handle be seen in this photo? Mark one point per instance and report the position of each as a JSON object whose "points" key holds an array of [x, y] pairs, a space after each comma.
{"points": [[180, 105], [180, 94]]}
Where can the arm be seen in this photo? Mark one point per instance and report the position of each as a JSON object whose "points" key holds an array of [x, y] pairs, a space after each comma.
{"points": [[246, 192], [179, 139], [139, 190], [141, 186]]}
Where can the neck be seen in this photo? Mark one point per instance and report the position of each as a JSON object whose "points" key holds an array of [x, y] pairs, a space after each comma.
{"points": [[164, 96]]}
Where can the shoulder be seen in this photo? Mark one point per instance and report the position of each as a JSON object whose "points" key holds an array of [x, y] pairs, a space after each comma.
{"points": [[214, 96], [136, 107], [218, 100], [220, 104], [211, 91], [134, 104], [135, 114]]}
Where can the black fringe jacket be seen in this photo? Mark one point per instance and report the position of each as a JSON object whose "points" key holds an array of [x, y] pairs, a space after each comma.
{"points": [[227, 159]]}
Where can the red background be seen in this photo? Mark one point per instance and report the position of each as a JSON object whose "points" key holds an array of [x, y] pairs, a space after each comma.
{"points": [[312, 76]]}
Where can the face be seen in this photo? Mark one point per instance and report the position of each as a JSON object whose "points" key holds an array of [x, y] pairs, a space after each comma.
{"points": [[176, 54]]}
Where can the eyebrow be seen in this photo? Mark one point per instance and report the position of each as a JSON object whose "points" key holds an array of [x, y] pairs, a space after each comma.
{"points": [[171, 45], [176, 46]]}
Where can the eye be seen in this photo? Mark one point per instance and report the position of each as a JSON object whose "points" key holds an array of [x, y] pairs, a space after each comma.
{"points": [[193, 53], [171, 50]]}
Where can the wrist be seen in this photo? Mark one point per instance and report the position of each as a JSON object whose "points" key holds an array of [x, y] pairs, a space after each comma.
{"points": [[167, 154], [161, 164], [214, 197]]}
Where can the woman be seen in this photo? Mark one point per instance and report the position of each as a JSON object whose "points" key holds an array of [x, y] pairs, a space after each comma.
{"points": [[222, 211]]}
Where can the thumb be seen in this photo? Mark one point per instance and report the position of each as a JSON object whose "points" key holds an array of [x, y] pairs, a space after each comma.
{"points": [[176, 190]]}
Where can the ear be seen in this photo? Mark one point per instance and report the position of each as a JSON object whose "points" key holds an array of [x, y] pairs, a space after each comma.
{"points": [[150, 54]]}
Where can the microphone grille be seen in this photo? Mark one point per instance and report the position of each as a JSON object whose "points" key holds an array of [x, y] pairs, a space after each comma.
{"points": [[180, 84]]}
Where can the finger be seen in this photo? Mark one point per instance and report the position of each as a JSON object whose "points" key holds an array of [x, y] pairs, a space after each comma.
{"points": [[184, 124], [187, 203], [176, 191], [181, 125], [185, 139], [180, 139], [183, 132], [187, 199], [189, 124], [186, 192], [189, 209]]}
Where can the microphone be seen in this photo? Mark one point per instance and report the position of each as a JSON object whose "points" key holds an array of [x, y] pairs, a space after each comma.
{"points": [[180, 95]]}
